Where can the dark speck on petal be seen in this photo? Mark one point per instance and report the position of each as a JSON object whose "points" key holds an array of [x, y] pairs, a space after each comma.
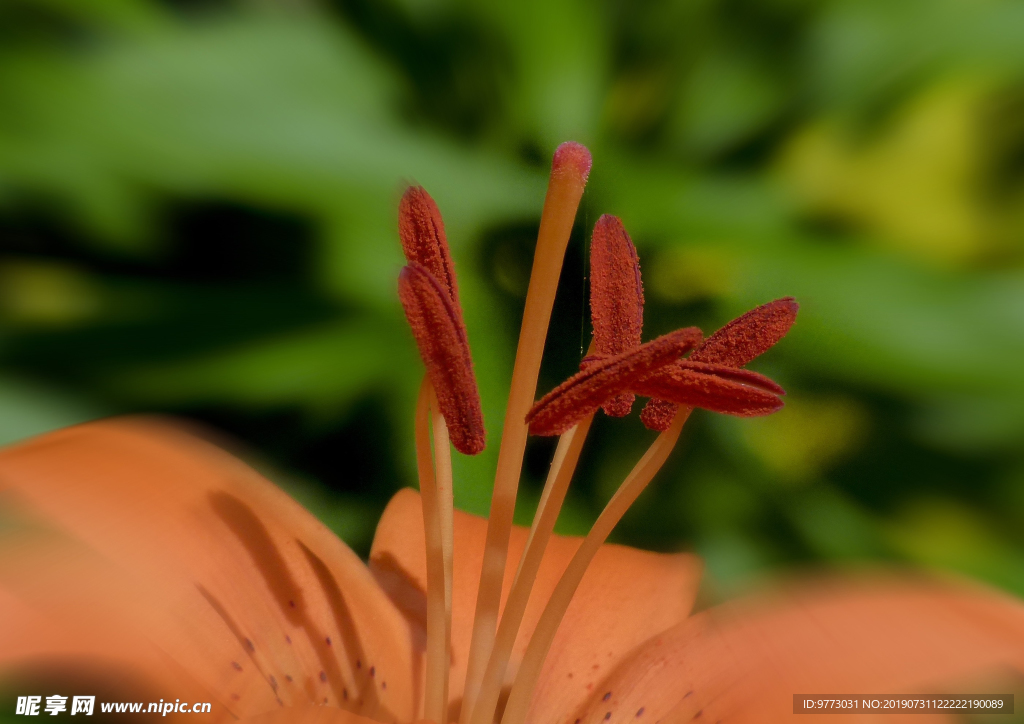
{"points": [[640, 712], [323, 676], [607, 716], [328, 639], [237, 666], [607, 696]]}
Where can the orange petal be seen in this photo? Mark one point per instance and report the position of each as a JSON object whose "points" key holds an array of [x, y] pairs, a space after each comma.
{"points": [[749, 335], [65, 612], [309, 715], [424, 242], [626, 596], [744, 662], [26, 633], [443, 345], [616, 297], [604, 379], [248, 594]]}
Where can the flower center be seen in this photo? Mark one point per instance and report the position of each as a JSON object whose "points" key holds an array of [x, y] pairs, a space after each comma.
{"points": [[617, 367]]}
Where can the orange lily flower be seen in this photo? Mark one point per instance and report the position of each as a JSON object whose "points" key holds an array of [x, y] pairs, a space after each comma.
{"points": [[135, 548]]}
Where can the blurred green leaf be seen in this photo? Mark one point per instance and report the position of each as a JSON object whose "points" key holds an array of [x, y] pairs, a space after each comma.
{"points": [[197, 216]]}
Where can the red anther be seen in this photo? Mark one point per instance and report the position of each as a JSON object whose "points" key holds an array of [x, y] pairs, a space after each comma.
{"points": [[734, 345], [658, 415], [616, 298], [423, 239], [749, 335], [735, 374], [603, 380], [442, 343], [696, 389]]}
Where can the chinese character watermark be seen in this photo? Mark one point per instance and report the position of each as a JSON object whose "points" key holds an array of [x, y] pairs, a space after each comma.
{"points": [[28, 705], [83, 705], [56, 704]]}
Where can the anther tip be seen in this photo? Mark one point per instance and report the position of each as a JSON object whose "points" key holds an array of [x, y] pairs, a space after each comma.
{"points": [[575, 156], [470, 444], [789, 308], [414, 196]]}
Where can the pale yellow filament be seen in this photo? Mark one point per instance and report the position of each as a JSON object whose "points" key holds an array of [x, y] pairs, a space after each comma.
{"points": [[435, 473], [537, 650], [563, 465], [565, 189]]}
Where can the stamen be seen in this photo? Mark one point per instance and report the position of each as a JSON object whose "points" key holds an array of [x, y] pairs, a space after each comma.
{"points": [[442, 343], [584, 392], [446, 517], [658, 414], [750, 335], [569, 170], [736, 374], [567, 454], [695, 389], [616, 298], [736, 344], [536, 652], [435, 490], [421, 230]]}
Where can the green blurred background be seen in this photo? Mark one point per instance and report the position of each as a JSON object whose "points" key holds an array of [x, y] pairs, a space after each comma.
{"points": [[198, 217]]}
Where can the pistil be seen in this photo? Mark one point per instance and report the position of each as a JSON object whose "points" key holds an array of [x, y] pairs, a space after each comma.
{"points": [[569, 171]]}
